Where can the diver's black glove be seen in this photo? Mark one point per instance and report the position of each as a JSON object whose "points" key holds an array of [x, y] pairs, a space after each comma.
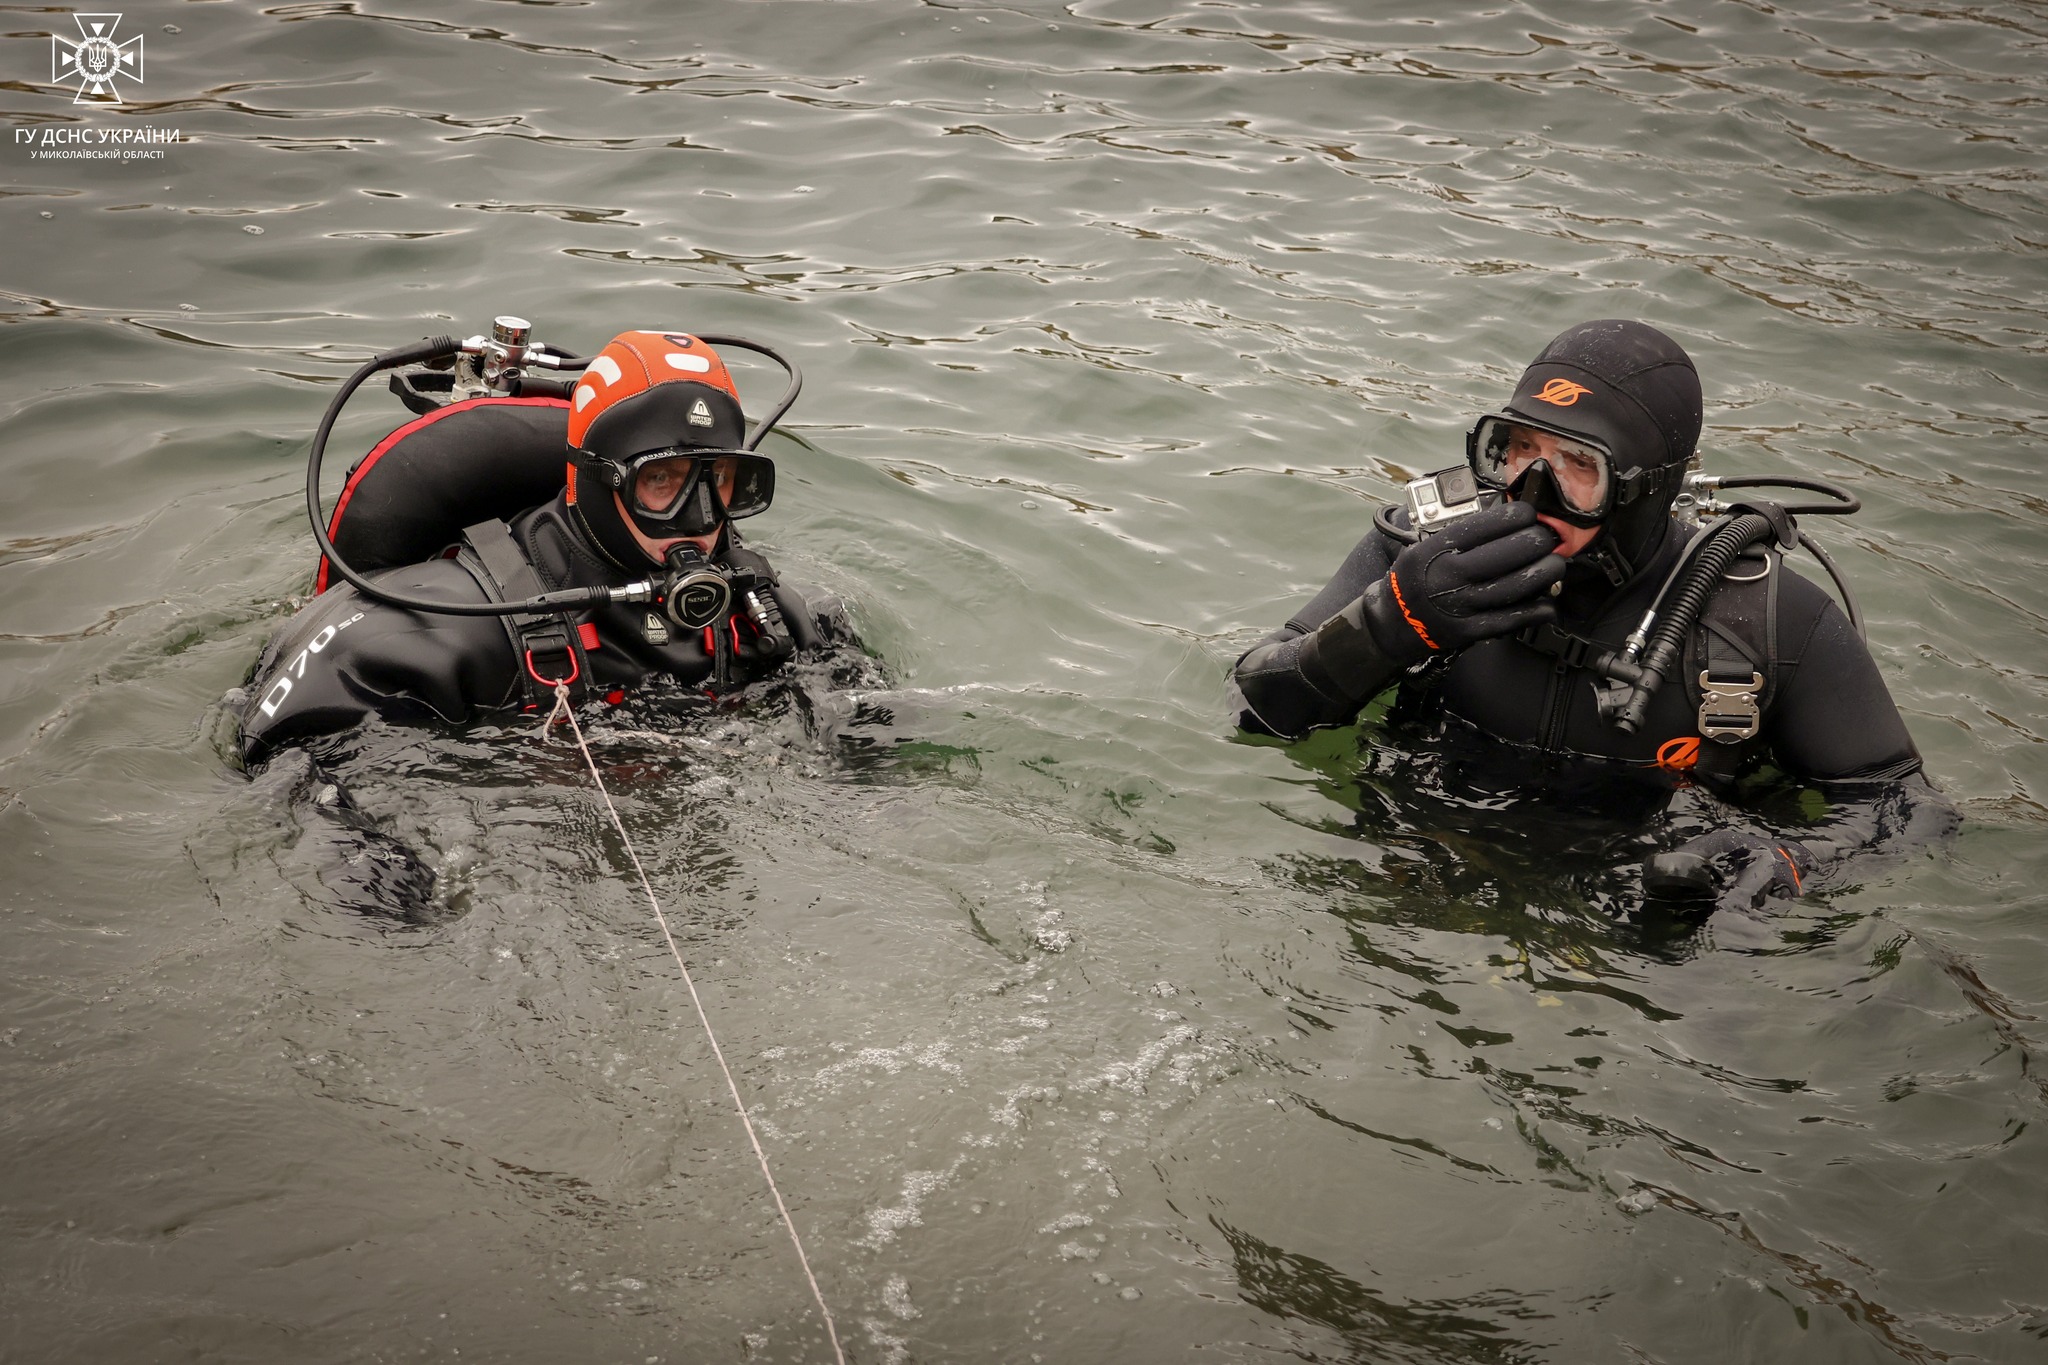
{"points": [[1484, 575], [1487, 574], [1731, 868]]}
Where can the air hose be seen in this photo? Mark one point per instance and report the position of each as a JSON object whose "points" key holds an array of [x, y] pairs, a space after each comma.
{"points": [[1625, 704]]}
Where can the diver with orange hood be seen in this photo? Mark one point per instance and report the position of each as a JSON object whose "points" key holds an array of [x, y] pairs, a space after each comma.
{"points": [[525, 535]]}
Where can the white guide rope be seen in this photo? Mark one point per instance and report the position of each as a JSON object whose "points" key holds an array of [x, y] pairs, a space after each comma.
{"points": [[564, 710]]}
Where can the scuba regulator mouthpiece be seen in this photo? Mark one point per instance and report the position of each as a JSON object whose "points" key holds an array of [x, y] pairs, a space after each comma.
{"points": [[695, 594]]}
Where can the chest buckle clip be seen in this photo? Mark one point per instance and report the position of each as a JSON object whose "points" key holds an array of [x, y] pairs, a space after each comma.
{"points": [[1728, 709]]}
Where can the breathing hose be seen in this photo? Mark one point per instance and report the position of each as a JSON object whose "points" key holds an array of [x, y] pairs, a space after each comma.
{"points": [[782, 404], [1691, 582], [1626, 706]]}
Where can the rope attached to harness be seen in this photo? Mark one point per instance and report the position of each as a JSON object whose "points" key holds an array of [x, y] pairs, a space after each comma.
{"points": [[565, 711]]}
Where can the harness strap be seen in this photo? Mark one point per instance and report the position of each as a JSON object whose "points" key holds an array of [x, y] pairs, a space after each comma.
{"points": [[1731, 692], [1568, 649], [1737, 671], [547, 648], [1733, 659]]}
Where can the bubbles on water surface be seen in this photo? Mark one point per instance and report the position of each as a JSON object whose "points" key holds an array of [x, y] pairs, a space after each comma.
{"points": [[896, 1298]]}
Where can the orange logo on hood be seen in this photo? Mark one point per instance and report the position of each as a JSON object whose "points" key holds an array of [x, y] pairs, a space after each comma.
{"points": [[1562, 393]]}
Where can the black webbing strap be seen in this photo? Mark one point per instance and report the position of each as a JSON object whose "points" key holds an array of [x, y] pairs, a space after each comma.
{"points": [[546, 647], [1566, 648], [1731, 692], [1737, 676]]}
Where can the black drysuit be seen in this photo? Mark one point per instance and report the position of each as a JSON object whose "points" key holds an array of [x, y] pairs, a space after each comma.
{"points": [[346, 656], [1826, 717]]}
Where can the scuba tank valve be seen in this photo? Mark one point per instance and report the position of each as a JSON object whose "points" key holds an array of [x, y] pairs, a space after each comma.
{"points": [[497, 364]]}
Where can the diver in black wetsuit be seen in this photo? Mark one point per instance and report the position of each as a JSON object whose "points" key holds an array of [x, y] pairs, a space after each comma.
{"points": [[1498, 621], [656, 474]]}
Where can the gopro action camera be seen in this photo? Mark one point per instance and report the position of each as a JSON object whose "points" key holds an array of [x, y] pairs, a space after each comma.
{"points": [[1436, 500]]}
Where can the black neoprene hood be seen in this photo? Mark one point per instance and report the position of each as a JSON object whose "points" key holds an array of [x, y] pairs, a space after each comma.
{"points": [[1632, 389], [674, 414], [1621, 383], [678, 412]]}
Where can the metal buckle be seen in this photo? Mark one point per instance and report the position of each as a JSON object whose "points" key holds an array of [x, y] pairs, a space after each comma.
{"points": [[1728, 710]]}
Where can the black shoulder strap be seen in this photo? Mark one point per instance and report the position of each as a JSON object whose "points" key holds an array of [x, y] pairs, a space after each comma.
{"points": [[546, 647], [740, 557], [1734, 659]]}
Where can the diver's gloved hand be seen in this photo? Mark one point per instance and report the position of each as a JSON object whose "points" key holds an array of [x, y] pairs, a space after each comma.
{"points": [[1487, 574], [1731, 868], [1484, 575]]}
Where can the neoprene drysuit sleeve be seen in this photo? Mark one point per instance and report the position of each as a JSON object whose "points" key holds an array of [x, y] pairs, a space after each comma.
{"points": [[1833, 719], [1323, 665], [344, 657], [1834, 725]]}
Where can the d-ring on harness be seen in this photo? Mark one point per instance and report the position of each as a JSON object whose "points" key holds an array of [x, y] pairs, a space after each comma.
{"points": [[549, 646]]}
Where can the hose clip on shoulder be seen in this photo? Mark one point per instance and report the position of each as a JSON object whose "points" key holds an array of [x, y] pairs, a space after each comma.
{"points": [[1784, 530], [1569, 650], [1728, 710]]}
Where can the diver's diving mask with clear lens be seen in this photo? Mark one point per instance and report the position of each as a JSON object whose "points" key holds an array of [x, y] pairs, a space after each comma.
{"points": [[676, 493], [1566, 476]]}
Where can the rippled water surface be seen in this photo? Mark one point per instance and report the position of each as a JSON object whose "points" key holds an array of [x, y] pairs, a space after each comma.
{"points": [[1077, 1028]]}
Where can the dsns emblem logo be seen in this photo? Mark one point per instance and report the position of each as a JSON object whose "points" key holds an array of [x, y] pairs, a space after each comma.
{"points": [[95, 59], [1562, 393]]}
